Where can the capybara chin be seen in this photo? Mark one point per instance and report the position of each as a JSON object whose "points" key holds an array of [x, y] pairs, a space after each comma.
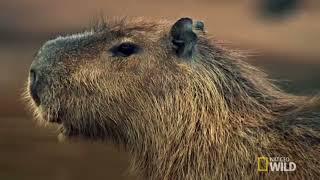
{"points": [[185, 106]]}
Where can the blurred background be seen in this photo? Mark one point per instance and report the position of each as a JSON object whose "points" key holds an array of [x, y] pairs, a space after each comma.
{"points": [[284, 34]]}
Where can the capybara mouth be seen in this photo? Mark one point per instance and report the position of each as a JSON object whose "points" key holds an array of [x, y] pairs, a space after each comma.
{"points": [[67, 131], [51, 119], [49, 115], [55, 120]]}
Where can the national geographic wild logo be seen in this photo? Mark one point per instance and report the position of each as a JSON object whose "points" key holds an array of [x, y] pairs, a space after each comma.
{"points": [[266, 164]]}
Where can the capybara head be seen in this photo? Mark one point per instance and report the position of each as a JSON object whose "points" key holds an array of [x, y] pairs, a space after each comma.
{"points": [[182, 103], [104, 81]]}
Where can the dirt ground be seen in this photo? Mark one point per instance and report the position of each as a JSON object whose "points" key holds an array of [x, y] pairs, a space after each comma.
{"points": [[288, 49]]}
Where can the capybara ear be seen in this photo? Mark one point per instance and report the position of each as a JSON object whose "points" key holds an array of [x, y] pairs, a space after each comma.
{"points": [[183, 38], [199, 25]]}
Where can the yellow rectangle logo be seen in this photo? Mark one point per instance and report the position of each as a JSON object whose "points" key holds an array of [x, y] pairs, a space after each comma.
{"points": [[263, 164]]}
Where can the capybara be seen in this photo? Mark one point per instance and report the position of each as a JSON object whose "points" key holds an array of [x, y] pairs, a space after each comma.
{"points": [[184, 105]]}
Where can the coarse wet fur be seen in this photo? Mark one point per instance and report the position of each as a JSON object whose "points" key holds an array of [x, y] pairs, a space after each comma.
{"points": [[186, 107]]}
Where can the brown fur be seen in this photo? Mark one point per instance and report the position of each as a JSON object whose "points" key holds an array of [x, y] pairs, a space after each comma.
{"points": [[209, 118]]}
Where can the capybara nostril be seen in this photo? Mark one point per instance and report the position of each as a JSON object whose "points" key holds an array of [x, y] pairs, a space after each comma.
{"points": [[33, 77], [34, 86]]}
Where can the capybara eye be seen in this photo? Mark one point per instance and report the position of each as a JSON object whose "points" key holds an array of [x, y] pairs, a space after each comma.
{"points": [[125, 49]]}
